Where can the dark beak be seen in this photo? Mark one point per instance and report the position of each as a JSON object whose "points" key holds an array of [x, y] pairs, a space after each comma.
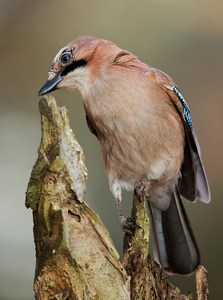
{"points": [[50, 85]]}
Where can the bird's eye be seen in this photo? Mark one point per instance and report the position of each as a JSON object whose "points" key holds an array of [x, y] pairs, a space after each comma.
{"points": [[65, 58]]}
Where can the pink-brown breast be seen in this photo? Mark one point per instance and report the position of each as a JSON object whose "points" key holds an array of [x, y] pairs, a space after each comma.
{"points": [[140, 132]]}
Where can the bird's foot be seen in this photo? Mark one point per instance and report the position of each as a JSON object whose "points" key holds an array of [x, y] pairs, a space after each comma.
{"points": [[142, 188], [128, 225]]}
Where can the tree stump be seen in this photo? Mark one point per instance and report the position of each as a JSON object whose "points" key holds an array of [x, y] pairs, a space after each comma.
{"points": [[75, 256]]}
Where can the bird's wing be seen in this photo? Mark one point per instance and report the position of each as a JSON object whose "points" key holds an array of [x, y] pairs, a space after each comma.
{"points": [[193, 182]]}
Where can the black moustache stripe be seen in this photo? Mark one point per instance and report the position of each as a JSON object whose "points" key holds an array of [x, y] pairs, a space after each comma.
{"points": [[76, 64]]}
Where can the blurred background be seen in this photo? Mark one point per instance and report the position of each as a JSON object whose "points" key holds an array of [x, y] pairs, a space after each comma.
{"points": [[183, 38]]}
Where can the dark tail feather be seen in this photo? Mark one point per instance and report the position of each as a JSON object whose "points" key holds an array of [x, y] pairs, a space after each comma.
{"points": [[174, 244]]}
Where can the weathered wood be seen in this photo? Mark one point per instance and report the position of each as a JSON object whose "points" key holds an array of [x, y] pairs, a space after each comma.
{"points": [[75, 257], [147, 278], [202, 284]]}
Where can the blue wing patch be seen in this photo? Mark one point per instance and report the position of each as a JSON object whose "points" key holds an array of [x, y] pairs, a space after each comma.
{"points": [[186, 109]]}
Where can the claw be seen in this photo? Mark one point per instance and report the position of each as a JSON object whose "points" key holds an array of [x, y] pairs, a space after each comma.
{"points": [[128, 225]]}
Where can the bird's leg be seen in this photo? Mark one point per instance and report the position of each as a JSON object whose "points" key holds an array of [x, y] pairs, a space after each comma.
{"points": [[127, 224]]}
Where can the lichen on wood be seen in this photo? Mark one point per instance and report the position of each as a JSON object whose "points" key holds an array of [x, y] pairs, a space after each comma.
{"points": [[148, 281], [75, 257]]}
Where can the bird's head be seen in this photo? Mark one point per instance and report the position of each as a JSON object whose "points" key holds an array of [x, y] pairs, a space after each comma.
{"points": [[79, 64]]}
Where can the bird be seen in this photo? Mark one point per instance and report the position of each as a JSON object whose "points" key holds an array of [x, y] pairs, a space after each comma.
{"points": [[147, 140]]}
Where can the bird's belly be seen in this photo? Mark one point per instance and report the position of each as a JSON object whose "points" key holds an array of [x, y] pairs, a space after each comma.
{"points": [[129, 162], [139, 143]]}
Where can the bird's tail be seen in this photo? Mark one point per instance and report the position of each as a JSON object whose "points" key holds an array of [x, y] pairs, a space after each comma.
{"points": [[175, 247]]}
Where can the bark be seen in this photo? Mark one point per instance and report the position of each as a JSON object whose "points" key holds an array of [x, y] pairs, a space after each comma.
{"points": [[75, 256]]}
